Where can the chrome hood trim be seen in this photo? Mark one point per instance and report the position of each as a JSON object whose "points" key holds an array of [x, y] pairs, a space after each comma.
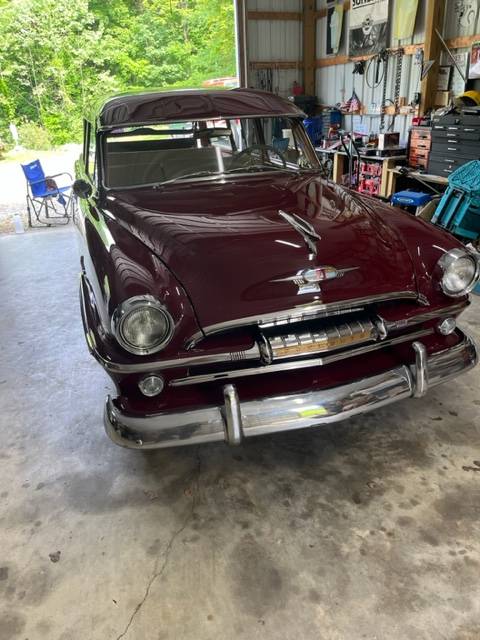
{"points": [[304, 228], [297, 314]]}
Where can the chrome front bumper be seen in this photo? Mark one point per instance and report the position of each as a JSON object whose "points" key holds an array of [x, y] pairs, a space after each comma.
{"points": [[236, 420]]}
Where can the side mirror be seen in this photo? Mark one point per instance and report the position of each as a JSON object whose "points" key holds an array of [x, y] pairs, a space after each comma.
{"points": [[82, 189]]}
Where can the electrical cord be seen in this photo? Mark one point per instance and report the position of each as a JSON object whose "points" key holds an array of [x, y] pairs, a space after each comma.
{"points": [[381, 61]]}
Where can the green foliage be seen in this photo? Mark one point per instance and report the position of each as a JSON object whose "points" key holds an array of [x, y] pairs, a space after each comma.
{"points": [[34, 136], [58, 56]]}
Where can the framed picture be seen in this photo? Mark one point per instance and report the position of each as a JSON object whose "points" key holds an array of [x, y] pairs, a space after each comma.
{"points": [[457, 84], [443, 78], [368, 27], [334, 26], [474, 70]]}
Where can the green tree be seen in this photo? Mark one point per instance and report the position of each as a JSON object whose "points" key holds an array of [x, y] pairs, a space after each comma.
{"points": [[58, 56]]}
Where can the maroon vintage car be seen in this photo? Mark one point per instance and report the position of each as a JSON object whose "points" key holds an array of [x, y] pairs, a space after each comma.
{"points": [[230, 290]]}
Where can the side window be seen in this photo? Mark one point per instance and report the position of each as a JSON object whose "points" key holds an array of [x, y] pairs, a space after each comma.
{"points": [[286, 138]]}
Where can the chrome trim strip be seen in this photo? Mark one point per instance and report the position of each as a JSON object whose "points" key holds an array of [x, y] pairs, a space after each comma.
{"points": [[180, 363], [286, 412], [256, 352], [111, 127], [290, 365], [297, 314], [421, 373], [396, 325]]}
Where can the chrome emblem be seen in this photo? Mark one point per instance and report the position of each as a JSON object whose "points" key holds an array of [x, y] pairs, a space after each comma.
{"points": [[307, 280]]}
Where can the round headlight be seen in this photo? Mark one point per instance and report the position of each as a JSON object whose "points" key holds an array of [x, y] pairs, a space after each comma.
{"points": [[142, 325], [459, 272]]}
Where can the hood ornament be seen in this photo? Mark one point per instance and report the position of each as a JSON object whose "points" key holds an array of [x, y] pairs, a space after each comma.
{"points": [[307, 280], [304, 228]]}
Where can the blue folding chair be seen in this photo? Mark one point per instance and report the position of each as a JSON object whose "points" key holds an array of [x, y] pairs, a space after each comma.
{"points": [[50, 203]]}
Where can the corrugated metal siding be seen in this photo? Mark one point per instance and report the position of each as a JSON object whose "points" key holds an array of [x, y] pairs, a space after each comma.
{"points": [[461, 18], [282, 40], [336, 83], [275, 40]]}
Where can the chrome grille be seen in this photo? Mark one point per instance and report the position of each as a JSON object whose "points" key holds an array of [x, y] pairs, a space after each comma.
{"points": [[327, 338]]}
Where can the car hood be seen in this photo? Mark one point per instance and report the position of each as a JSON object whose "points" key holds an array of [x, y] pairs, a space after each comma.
{"points": [[233, 251]]}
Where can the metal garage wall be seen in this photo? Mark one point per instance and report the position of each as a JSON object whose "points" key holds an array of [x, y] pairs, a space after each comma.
{"points": [[279, 40], [336, 83]]}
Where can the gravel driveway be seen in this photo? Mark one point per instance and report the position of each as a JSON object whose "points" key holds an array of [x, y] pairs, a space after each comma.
{"points": [[12, 181]]}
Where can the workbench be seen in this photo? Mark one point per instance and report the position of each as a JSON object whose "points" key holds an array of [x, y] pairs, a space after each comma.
{"points": [[393, 173], [339, 168]]}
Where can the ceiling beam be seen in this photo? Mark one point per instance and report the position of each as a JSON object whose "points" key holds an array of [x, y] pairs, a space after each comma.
{"points": [[462, 41], [409, 50], [275, 64], [274, 15]]}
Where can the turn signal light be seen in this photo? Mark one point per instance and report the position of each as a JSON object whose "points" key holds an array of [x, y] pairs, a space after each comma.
{"points": [[151, 385]]}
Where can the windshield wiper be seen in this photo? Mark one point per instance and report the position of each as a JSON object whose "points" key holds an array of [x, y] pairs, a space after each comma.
{"points": [[197, 174], [248, 169], [257, 167]]}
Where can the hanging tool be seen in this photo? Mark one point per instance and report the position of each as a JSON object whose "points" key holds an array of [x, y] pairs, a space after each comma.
{"points": [[398, 81], [384, 95]]}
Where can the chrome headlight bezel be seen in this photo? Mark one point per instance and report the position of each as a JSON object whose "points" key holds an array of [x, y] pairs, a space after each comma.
{"points": [[446, 261], [121, 314]]}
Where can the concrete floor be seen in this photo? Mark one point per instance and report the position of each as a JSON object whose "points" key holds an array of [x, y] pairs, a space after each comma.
{"points": [[366, 529]]}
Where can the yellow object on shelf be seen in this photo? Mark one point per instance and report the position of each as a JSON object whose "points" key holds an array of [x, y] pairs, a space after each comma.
{"points": [[467, 97]]}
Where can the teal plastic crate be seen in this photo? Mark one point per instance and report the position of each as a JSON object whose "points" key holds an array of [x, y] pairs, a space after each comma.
{"points": [[467, 178], [459, 209]]}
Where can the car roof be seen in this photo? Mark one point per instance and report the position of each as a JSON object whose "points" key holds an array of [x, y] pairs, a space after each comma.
{"points": [[148, 107]]}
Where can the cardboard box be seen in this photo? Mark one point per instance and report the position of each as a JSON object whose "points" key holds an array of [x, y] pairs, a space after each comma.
{"points": [[386, 140], [442, 98]]}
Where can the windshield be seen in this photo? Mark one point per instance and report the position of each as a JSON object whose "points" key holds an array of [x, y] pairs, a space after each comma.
{"points": [[165, 153]]}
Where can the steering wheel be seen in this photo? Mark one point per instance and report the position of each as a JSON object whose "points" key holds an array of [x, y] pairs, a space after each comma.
{"points": [[258, 147]]}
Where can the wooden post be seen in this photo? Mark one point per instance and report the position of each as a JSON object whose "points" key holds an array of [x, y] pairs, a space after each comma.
{"points": [[309, 46], [432, 51]]}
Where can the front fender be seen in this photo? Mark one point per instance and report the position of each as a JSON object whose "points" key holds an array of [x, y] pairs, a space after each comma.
{"points": [[426, 244], [118, 266]]}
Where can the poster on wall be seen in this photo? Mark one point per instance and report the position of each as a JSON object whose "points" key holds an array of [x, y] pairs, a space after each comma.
{"points": [[368, 26], [405, 13], [334, 24], [458, 83], [474, 71]]}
